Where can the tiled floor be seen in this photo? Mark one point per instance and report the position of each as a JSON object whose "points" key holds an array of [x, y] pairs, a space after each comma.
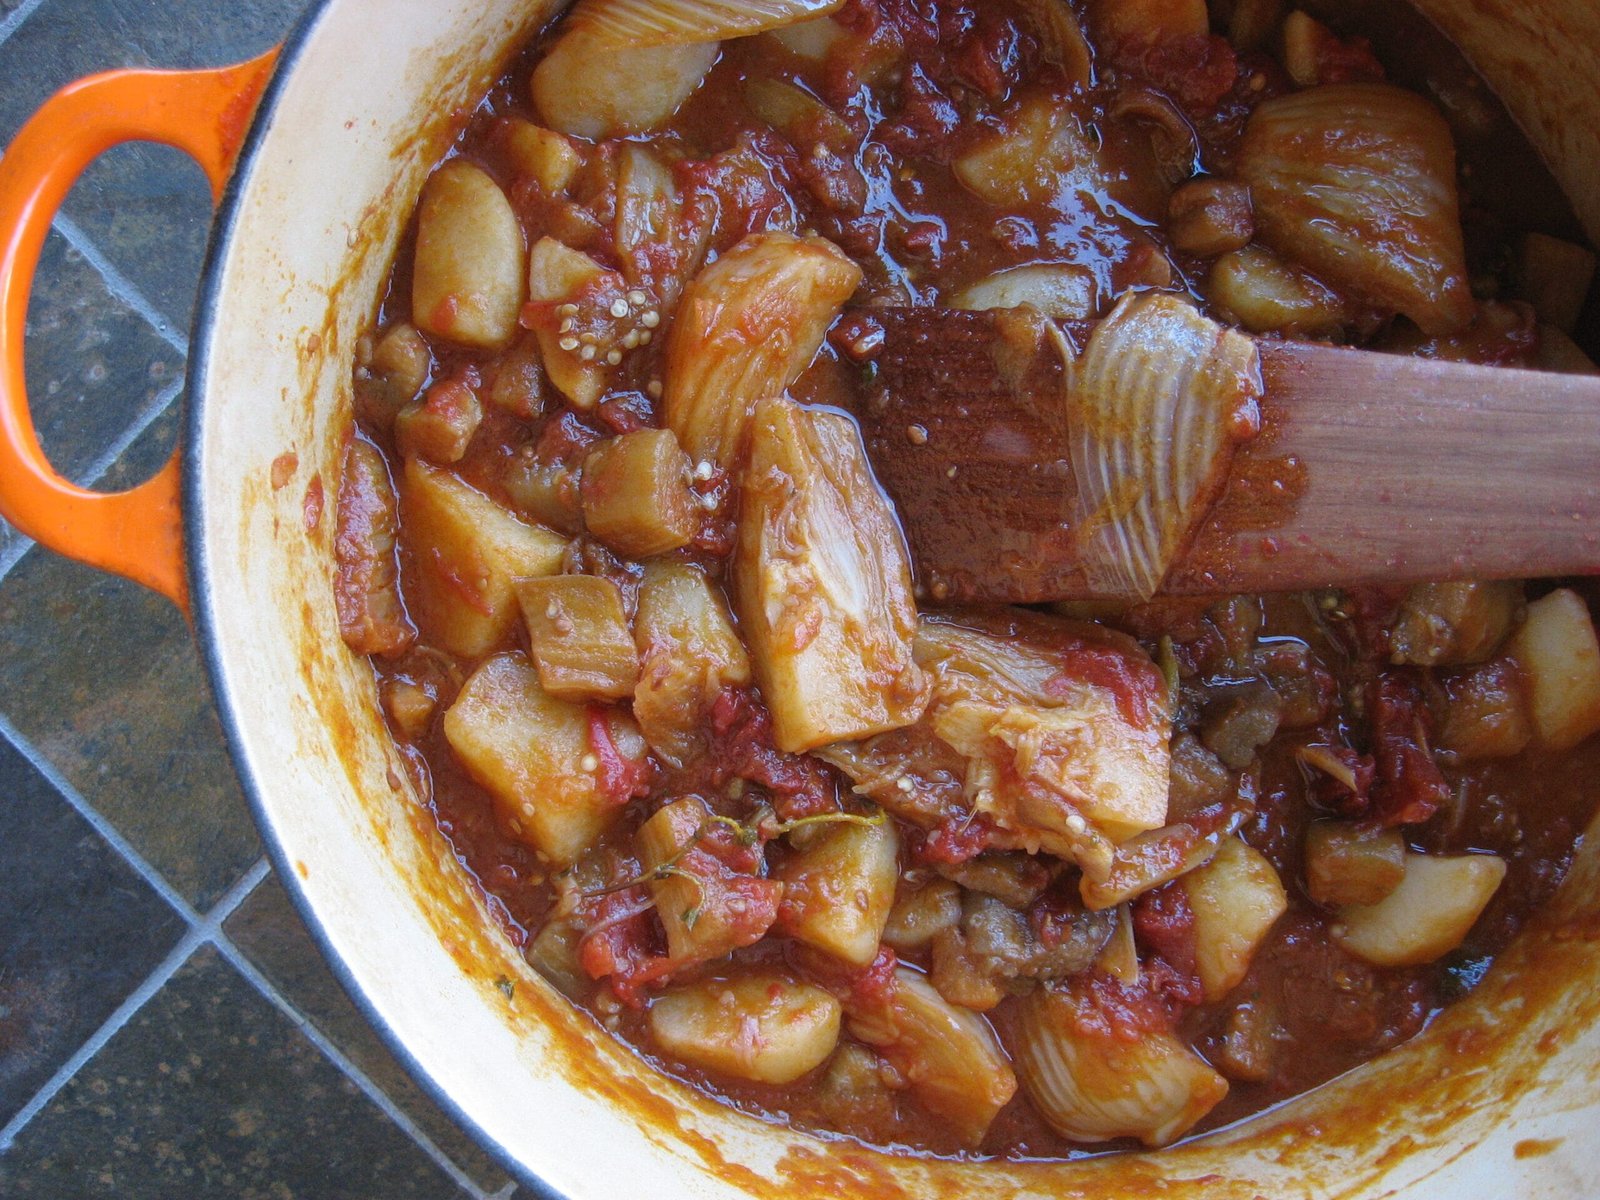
{"points": [[166, 1026]]}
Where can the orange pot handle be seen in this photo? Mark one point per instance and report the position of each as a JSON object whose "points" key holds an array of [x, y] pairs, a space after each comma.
{"points": [[137, 533]]}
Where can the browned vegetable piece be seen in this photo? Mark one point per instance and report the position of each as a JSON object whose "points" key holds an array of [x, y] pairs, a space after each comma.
{"points": [[372, 619], [920, 914], [1209, 217], [579, 636], [439, 427], [390, 373], [410, 706], [466, 551], [747, 326], [1487, 715], [688, 652], [1148, 20], [1351, 864], [1449, 624], [1357, 182], [822, 583], [516, 380], [636, 496], [1554, 276], [531, 752]]}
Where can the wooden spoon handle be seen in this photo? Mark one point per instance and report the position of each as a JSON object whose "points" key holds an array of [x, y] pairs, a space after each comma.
{"points": [[1375, 467], [1369, 467]]}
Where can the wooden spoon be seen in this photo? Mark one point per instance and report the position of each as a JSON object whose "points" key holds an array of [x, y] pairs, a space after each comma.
{"points": [[1369, 468]]}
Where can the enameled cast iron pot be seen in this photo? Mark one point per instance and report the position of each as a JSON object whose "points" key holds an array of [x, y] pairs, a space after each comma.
{"points": [[1500, 1098]]}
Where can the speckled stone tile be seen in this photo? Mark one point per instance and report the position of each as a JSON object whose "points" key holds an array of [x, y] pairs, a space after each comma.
{"points": [[79, 930], [268, 930], [104, 679], [209, 1091], [147, 208], [94, 365]]}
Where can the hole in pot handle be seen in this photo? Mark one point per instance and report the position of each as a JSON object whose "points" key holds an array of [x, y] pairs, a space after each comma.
{"points": [[205, 113]]}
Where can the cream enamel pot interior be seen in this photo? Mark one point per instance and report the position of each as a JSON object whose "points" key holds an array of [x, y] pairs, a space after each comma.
{"points": [[1499, 1098]]}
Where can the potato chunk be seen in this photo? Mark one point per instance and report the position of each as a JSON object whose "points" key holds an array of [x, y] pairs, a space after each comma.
{"points": [[762, 1026], [579, 635], [689, 652], [838, 889], [466, 550], [1064, 291], [468, 276], [1091, 1085], [949, 1056], [1426, 916], [596, 89], [822, 583], [1040, 152], [546, 157], [1265, 294], [636, 496], [532, 753], [1236, 898], [748, 325], [1560, 659]]}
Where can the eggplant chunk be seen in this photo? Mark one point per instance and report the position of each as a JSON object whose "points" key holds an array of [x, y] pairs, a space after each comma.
{"points": [[823, 584], [764, 1026], [579, 637], [532, 753], [1450, 624], [366, 592], [467, 552], [467, 284], [747, 326]]}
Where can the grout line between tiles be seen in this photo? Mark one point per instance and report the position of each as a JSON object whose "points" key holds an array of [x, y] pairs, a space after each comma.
{"points": [[118, 284], [17, 17], [96, 470], [354, 1073], [200, 932]]}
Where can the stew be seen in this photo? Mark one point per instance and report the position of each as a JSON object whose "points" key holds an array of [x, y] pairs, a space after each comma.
{"points": [[1011, 882]]}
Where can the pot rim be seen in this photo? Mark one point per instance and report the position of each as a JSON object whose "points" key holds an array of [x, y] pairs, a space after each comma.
{"points": [[219, 245]]}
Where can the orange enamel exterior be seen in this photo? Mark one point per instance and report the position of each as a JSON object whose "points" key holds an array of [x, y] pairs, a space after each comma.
{"points": [[205, 113]]}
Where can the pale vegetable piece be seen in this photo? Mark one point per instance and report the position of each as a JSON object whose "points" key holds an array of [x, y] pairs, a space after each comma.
{"points": [[1061, 39], [764, 1026], [1120, 957], [1040, 153], [1265, 294], [822, 583], [466, 551], [1426, 916], [579, 636], [1450, 624], [440, 426], [542, 155], [1061, 753], [636, 496], [949, 1056], [747, 326], [1159, 399], [1210, 217], [1351, 864], [366, 591], [1063, 291], [673, 22], [812, 39], [838, 890], [659, 248], [528, 750], [1253, 22], [467, 277], [919, 914], [1090, 1085], [592, 88], [689, 652], [1357, 182], [706, 909], [1301, 53], [1146, 861], [1149, 20], [1560, 659], [554, 954], [569, 282], [1236, 898], [1488, 714], [1554, 276]]}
